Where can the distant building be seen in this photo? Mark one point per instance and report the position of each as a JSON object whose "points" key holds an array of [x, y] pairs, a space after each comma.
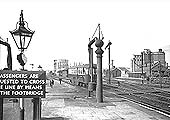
{"points": [[60, 64], [81, 69], [76, 70], [146, 60], [124, 71], [116, 72], [166, 49]]}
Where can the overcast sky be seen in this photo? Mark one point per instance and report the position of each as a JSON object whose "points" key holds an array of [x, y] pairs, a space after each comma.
{"points": [[63, 28]]}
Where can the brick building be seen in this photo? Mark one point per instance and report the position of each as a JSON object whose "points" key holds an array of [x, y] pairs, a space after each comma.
{"points": [[116, 72]]}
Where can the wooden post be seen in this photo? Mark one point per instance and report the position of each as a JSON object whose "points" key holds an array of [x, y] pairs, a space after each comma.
{"points": [[36, 109], [1, 108], [22, 109]]}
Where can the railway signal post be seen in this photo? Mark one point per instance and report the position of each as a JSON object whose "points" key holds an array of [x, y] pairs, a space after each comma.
{"points": [[108, 46]]}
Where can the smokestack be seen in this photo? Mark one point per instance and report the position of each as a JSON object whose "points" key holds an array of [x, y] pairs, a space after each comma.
{"points": [[160, 50]]}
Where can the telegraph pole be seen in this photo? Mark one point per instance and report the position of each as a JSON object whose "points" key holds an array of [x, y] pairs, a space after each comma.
{"points": [[142, 67], [142, 62], [109, 61], [150, 65]]}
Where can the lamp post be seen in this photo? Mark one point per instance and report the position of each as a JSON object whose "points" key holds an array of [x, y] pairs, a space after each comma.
{"points": [[99, 90], [22, 37]]}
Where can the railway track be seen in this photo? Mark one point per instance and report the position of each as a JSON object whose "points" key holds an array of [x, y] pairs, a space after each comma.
{"points": [[141, 94]]}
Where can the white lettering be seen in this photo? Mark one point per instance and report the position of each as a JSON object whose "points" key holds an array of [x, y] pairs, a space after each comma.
{"points": [[19, 86], [33, 76]]}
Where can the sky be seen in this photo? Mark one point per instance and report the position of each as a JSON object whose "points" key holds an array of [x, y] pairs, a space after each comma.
{"points": [[63, 28]]}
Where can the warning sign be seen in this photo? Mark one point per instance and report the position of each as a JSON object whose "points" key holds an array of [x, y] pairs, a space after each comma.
{"points": [[22, 84]]}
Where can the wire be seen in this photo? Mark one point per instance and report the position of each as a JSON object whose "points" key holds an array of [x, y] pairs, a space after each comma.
{"points": [[100, 32], [95, 31]]}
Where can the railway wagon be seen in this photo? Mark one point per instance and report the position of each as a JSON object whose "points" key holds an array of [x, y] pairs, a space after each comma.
{"points": [[81, 80]]}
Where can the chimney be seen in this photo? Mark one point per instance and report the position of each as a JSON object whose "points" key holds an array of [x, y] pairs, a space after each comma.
{"points": [[160, 50]]}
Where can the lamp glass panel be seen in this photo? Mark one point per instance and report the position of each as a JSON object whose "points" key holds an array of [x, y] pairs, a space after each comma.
{"points": [[22, 41]]}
